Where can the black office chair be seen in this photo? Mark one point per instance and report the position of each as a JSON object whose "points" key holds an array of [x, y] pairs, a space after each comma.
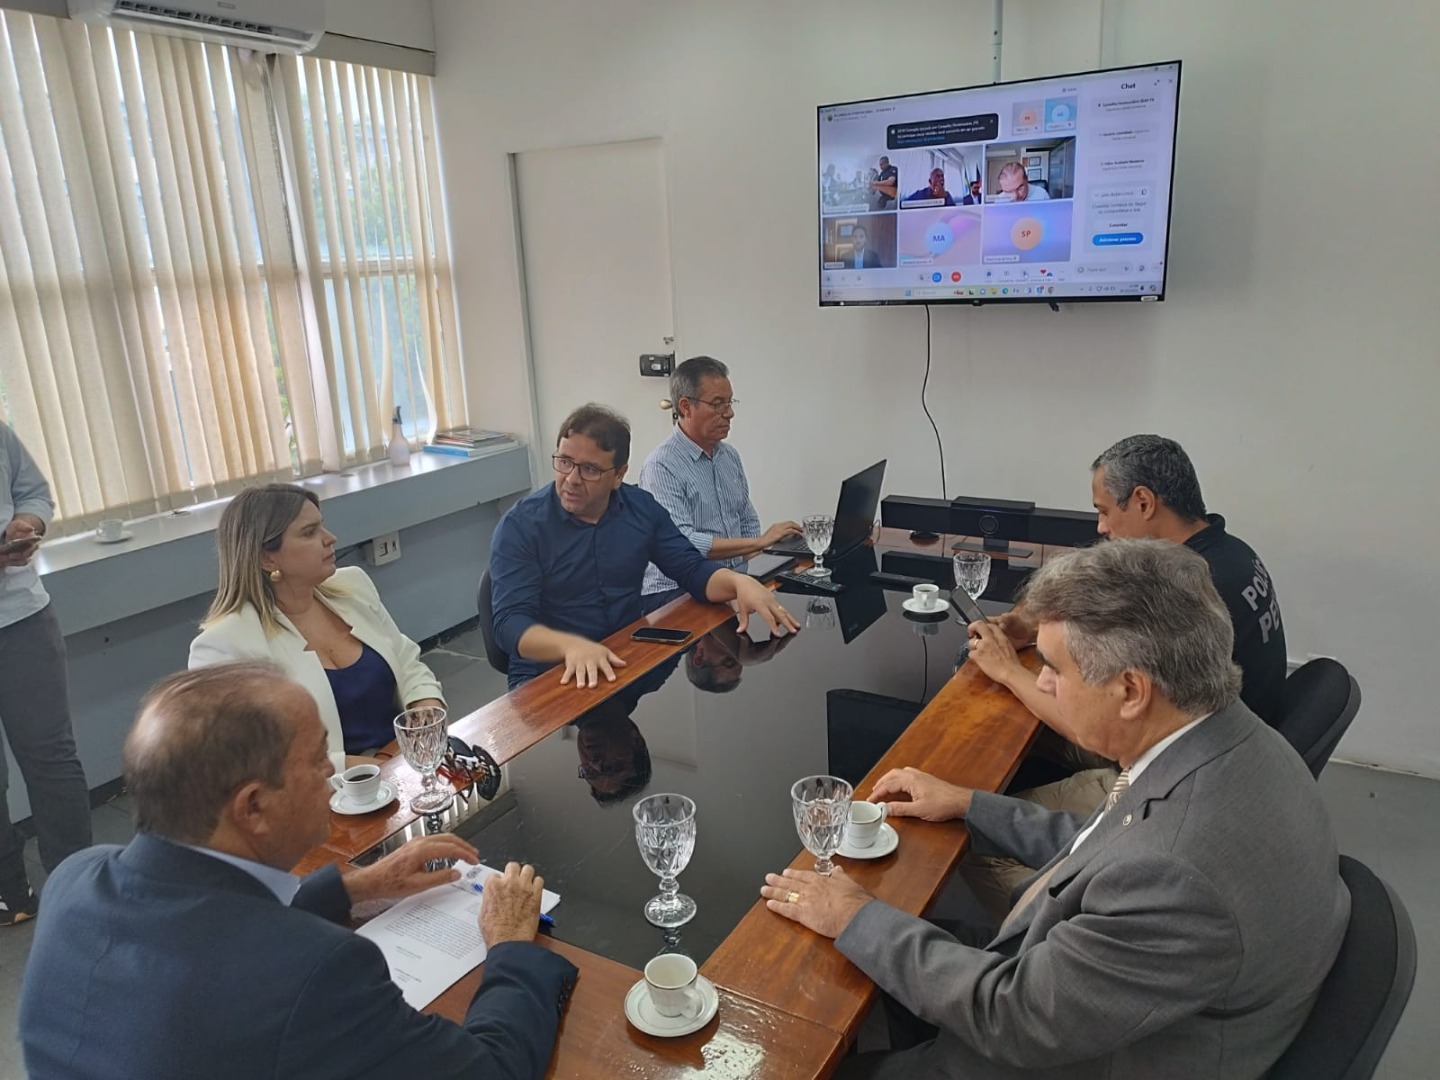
{"points": [[498, 657], [1365, 993], [1320, 700]]}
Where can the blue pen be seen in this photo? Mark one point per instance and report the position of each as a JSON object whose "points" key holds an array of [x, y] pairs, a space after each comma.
{"points": [[545, 920]]}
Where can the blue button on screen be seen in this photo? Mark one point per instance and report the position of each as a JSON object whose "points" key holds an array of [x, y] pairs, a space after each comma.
{"points": [[934, 277], [1117, 239]]}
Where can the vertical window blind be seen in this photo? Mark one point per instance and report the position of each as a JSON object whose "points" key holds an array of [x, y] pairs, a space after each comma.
{"points": [[216, 267]]}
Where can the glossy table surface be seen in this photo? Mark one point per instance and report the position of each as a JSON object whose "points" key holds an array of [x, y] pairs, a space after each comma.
{"points": [[728, 721], [732, 721]]}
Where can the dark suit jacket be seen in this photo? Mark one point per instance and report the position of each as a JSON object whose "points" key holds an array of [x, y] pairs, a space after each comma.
{"points": [[156, 961], [1187, 936], [869, 261]]}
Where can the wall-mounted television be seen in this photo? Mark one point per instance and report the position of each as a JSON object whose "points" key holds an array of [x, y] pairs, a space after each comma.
{"points": [[1020, 192]]}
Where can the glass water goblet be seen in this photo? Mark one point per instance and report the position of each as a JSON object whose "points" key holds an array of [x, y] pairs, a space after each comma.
{"points": [[665, 834], [820, 614], [822, 808], [972, 572], [424, 737], [819, 529]]}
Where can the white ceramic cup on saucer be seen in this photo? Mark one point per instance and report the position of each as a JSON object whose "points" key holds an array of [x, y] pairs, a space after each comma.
{"points": [[359, 783], [926, 596], [110, 528], [865, 821], [670, 978]]}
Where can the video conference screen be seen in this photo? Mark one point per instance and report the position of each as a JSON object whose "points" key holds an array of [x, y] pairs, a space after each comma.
{"points": [[1044, 190]]}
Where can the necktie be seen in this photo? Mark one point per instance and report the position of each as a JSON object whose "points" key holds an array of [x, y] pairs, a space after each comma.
{"points": [[1033, 890], [1121, 783]]}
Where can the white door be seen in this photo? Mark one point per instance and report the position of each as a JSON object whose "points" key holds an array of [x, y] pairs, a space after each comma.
{"points": [[596, 252]]}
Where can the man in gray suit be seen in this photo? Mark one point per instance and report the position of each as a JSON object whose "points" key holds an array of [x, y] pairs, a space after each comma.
{"points": [[1184, 929]]}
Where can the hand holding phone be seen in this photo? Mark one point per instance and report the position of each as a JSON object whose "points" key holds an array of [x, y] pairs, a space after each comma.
{"points": [[965, 606], [661, 635], [20, 543]]}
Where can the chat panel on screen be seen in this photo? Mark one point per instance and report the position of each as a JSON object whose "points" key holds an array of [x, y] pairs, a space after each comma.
{"points": [[1016, 233]]}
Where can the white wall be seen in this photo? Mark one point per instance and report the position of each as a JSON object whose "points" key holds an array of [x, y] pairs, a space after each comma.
{"points": [[1296, 358], [395, 22]]}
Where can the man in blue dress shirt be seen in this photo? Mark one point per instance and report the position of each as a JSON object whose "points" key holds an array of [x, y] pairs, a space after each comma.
{"points": [[699, 478], [567, 561]]}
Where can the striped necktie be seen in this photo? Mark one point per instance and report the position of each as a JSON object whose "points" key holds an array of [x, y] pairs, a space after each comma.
{"points": [[1121, 783], [1033, 890]]}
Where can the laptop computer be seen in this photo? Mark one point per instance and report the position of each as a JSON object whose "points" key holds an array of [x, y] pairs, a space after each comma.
{"points": [[854, 516]]}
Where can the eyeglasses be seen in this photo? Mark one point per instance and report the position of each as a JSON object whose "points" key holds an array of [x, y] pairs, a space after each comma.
{"points": [[720, 405], [588, 472]]}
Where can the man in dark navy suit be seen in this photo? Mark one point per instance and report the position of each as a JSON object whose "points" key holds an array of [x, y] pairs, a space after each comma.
{"points": [[193, 951]]}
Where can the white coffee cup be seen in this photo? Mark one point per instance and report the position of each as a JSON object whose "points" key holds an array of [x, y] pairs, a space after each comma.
{"points": [[110, 528], [670, 978], [865, 821], [926, 596], [360, 784]]}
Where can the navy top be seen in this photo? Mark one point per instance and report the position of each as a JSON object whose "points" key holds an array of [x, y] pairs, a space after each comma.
{"points": [[365, 698], [549, 568], [1245, 586]]}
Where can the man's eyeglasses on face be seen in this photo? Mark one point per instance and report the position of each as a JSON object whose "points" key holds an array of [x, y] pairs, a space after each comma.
{"points": [[588, 472], [720, 405]]}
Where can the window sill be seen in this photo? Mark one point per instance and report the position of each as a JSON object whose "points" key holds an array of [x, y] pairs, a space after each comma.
{"points": [[171, 557]]}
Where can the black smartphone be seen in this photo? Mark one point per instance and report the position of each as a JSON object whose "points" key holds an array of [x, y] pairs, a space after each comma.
{"points": [[9, 547], [661, 635], [968, 610]]}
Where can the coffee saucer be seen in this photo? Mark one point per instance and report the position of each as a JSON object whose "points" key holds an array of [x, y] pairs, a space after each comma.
{"points": [[341, 805], [640, 1011], [126, 535], [914, 607], [885, 843]]}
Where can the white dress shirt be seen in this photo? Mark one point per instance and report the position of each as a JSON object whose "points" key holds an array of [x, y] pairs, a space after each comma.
{"points": [[1141, 764]]}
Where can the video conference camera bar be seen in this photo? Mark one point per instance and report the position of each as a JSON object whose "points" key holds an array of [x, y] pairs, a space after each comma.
{"points": [[999, 523]]}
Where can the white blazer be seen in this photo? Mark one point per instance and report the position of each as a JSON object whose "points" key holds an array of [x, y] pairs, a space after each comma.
{"points": [[240, 636]]}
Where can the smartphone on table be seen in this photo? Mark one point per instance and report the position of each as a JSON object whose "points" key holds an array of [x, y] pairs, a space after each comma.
{"points": [[661, 635]]}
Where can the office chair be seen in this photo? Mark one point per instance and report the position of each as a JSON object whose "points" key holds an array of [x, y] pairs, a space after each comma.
{"points": [[1363, 997], [498, 657], [1320, 700]]}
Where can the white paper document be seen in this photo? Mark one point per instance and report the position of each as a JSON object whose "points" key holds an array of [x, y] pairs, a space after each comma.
{"points": [[432, 939]]}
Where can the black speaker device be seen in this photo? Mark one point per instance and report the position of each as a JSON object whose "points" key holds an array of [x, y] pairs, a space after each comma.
{"points": [[1063, 528], [913, 513]]}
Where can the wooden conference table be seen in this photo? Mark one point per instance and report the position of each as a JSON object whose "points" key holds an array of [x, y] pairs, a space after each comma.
{"points": [[790, 1004]]}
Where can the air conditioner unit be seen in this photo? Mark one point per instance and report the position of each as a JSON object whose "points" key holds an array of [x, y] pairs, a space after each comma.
{"points": [[271, 26]]}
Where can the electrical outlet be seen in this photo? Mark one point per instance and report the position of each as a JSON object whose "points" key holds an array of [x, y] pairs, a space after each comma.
{"points": [[383, 549]]}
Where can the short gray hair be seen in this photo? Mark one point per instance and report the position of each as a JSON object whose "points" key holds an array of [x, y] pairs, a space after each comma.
{"points": [[1156, 463], [686, 379], [199, 737], [1143, 605]]}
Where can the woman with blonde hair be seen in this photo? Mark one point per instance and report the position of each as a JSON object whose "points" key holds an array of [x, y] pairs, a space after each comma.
{"points": [[281, 598]]}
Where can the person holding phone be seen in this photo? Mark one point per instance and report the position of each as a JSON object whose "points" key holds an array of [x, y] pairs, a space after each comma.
{"points": [[281, 598], [34, 692]]}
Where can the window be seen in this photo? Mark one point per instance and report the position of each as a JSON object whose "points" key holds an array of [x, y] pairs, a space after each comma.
{"points": [[216, 268]]}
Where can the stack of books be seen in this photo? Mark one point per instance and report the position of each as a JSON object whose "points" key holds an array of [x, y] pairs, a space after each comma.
{"points": [[468, 442]]}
